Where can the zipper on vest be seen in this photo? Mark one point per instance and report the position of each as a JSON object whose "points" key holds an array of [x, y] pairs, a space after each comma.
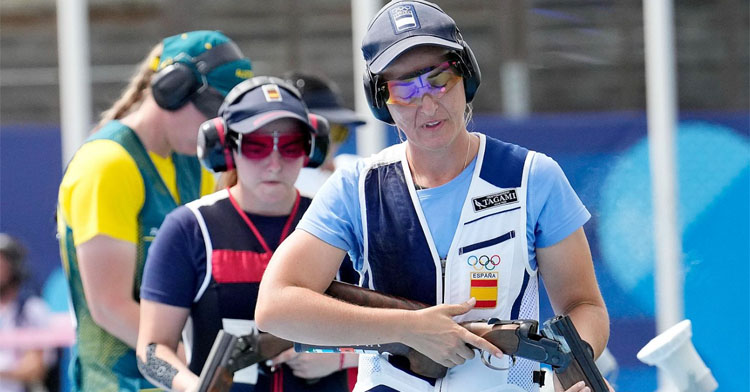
{"points": [[443, 262]]}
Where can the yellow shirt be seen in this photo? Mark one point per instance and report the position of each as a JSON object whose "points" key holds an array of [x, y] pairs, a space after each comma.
{"points": [[102, 191]]}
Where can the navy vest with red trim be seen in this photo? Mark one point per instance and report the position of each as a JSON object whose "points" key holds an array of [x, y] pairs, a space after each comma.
{"points": [[238, 261]]}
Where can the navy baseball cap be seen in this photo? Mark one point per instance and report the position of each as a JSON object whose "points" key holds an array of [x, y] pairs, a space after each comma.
{"points": [[402, 25], [321, 97], [261, 105]]}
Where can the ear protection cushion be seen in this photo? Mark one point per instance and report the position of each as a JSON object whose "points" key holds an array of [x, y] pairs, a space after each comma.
{"points": [[378, 109], [214, 145], [172, 86], [474, 75], [320, 141]]}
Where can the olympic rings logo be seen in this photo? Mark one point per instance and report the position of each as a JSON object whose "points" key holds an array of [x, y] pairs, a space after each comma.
{"points": [[483, 262]]}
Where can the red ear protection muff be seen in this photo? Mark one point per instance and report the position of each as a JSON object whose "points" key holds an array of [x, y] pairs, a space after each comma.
{"points": [[215, 142], [215, 146], [376, 97]]}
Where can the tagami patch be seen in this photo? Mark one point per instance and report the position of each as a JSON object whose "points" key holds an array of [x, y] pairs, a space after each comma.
{"points": [[494, 200]]}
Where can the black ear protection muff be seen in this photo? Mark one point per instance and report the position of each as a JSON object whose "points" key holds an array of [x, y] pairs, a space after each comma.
{"points": [[321, 141], [214, 145], [216, 141], [176, 84], [377, 95]]}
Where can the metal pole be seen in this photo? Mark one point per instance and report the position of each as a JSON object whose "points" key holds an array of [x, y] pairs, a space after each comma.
{"points": [[371, 137], [74, 74], [662, 118], [514, 70]]}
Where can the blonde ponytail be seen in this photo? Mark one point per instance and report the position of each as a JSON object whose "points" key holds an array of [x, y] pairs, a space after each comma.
{"points": [[227, 179], [134, 93]]}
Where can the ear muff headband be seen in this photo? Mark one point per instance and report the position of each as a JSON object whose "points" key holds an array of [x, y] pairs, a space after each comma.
{"points": [[174, 85], [471, 74], [250, 84]]}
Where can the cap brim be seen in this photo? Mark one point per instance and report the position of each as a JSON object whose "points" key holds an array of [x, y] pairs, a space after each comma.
{"points": [[340, 116], [390, 54], [252, 124]]}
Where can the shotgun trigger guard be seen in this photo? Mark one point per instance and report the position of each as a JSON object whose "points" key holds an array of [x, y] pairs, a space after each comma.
{"points": [[487, 361]]}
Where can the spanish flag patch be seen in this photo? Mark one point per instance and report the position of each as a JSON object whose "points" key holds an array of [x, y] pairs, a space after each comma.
{"points": [[272, 93], [484, 289]]}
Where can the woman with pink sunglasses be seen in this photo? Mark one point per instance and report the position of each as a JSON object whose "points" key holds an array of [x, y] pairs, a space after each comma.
{"points": [[206, 263]]}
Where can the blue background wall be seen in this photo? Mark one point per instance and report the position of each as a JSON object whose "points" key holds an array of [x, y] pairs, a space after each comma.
{"points": [[605, 156], [30, 173]]}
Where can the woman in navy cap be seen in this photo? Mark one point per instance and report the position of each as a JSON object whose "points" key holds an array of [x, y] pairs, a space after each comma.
{"points": [[137, 165], [450, 218], [321, 95], [207, 261]]}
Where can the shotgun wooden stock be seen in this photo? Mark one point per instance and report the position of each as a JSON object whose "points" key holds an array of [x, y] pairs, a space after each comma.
{"points": [[370, 298], [230, 353]]}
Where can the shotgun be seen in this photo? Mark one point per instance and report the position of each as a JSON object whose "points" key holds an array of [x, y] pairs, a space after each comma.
{"points": [[231, 353], [558, 345]]}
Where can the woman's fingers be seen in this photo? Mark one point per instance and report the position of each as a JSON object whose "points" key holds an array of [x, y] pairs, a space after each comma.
{"points": [[459, 309], [282, 358]]}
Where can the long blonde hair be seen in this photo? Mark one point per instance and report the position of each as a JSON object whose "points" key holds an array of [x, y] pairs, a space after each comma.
{"points": [[136, 90], [226, 179]]}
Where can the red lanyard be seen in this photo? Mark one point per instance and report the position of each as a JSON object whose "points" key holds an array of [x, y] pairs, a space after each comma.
{"points": [[254, 229]]}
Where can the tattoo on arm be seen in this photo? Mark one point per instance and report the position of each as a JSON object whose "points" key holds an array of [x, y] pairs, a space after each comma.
{"points": [[156, 369]]}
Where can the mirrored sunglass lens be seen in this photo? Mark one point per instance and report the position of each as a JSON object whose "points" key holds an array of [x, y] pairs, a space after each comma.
{"points": [[435, 82], [441, 76]]}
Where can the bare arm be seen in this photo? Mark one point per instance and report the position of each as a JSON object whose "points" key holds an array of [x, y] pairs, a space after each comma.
{"points": [[291, 305], [107, 271], [568, 273], [158, 340]]}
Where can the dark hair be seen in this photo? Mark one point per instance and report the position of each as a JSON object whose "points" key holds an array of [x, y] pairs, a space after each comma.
{"points": [[15, 253]]}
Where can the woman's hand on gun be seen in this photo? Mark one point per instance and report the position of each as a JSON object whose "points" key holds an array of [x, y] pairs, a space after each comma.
{"points": [[433, 332], [307, 365]]}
